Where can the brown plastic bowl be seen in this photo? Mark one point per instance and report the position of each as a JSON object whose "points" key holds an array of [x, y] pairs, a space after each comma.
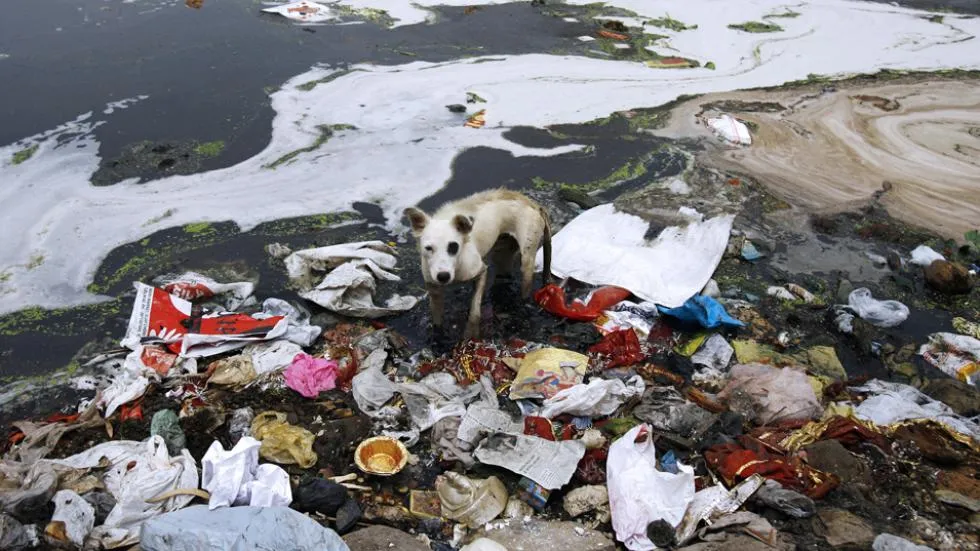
{"points": [[381, 455]]}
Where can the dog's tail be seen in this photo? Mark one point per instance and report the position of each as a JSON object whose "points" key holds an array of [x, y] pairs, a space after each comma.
{"points": [[546, 245]]}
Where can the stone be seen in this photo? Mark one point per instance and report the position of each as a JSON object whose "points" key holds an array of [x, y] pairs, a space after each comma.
{"points": [[948, 277], [844, 289], [842, 528], [484, 544], [955, 499], [961, 483], [963, 398], [585, 499], [831, 456], [538, 534], [888, 542], [383, 538]]}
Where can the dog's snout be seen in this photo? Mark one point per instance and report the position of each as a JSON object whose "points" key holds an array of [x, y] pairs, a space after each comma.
{"points": [[443, 277]]}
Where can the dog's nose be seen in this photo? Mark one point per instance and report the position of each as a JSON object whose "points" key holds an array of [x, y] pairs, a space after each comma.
{"points": [[443, 277]]}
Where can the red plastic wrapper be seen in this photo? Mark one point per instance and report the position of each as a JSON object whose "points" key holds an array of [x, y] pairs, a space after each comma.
{"points": [[132, 411], [736, 462], [551, 298], [542, 427], [471, 359], [622, 348]]}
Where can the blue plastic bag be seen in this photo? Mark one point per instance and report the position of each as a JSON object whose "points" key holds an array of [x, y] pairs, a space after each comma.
{"points": [[705, 311]]}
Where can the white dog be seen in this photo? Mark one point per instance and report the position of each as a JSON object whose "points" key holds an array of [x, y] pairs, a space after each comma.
{"points": [[455, 241]]}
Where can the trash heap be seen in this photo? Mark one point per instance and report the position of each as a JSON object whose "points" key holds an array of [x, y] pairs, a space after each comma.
{"points": [[689, 423]]}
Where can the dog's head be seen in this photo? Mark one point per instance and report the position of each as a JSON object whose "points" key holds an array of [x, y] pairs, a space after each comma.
{"points": [[440, 243]]}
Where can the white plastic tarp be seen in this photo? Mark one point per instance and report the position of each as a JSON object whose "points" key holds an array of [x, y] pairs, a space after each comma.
{"points": [[602, 246]]}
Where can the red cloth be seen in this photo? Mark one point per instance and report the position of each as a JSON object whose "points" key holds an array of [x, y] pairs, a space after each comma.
{"points": [[736, 462]]}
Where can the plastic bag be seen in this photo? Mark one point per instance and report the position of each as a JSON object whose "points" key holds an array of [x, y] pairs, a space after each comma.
{"points": [[233, 370], [271, 356], [546, 371], [599, 398], [773, 495], [371, 388], [281, 442], [238, 529], [880, 313], [14, 536], [166, 424], [895, 402], [73, 518], [551, 298], [730, 129], [299, 330], [139, 471], [704, 311], [240, 423], [924, 256], [639, 493], [310, 376], [770, 394]]}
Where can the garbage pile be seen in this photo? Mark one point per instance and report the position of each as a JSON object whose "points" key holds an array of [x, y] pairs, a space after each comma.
{"points": [[689, 423]]}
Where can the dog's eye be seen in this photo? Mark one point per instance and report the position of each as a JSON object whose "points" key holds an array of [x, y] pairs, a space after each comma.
{"points": [[453, 247], [429, 248]]}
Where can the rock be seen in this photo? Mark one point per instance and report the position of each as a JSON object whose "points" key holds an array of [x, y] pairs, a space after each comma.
{"points": [[844, 289], [484, 544], [894, 260], [580, 198], [538, 534], [963, 398], [948, 277], [888, 542], [960, 483], [831, 456], [585, 499], [955, 499], [736, 541], [383, 538], [842, 528], [456, 108]]}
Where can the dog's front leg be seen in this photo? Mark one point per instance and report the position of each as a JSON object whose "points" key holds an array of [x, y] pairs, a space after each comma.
{"points": [[473, 323], [436, 296]]}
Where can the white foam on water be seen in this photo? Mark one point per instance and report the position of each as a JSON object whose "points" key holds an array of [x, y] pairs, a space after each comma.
{"points": [[60, 227]]}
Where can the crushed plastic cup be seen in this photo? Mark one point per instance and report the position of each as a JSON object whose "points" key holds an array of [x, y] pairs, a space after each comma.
{"points": [[381, 455]]}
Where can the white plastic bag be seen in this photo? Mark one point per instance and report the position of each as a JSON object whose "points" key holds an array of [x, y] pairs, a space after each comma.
{"points": [[731, 130], [599, 398], [769, 394], [895, 402], [924, 256], [77, 515], [639, 493], [881, 313], [234, 477]]}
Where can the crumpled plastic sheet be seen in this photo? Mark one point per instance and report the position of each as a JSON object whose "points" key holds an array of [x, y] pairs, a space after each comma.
{"points": [[238, 529], [271, 356], [41, 438], [194, 287], [234, 477], [371, 388], [38, 483], [924, 256], [551, 298], [730, 129], [880, 313], [639, 493], [773, 495], [298, 329], [604, 247], [435, 397], [349, 287], [735, 462], [15, 536], [664, 408], [281, 442], [310, 376], [894, 402], [599, 398], [703, 311], [711, 503], [771, 394], [138, 471], [550, 464], [713, 357], [955, 355]]}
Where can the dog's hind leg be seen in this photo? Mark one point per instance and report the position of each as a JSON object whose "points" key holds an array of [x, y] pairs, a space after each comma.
{"points": [[436, 303], [473, 323]]}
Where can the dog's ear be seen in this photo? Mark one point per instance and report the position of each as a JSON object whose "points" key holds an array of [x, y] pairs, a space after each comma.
{"points": [[463, 224], [417, 218]]}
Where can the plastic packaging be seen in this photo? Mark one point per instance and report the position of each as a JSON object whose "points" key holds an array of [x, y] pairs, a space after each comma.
{"points": [[470, 501], [239, 529], [730, 129], [544, 372], [551, 298], [166, 424], [234, 477], [599, 398], [73, 518], [240, 423], [281, 442], [924, 256], [639, 493], [196, 287], [621, 348], [770, 394], [880, 313], [703, 311], [310, 376], [955, 355]]}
